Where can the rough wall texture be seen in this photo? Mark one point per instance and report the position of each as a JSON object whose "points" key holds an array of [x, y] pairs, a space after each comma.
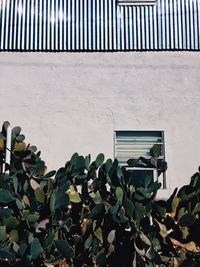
{"points": [[73, 102]]}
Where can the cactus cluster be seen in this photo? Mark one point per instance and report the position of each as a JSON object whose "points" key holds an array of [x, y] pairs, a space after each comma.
{"points": [[93, 213]]}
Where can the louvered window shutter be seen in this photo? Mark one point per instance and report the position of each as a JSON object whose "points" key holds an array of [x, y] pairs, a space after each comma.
{"points": [[135, 144]]}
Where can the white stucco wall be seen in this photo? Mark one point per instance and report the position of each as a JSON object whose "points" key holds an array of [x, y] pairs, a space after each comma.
{"points": [[72, 102]]}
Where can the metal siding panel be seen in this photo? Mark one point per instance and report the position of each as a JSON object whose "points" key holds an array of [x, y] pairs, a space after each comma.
{"points": [[180, 45], [127, 46], [23, 24], [3, 11], [134, 29], [165, 27], [48, 25], [106, 25], [94, 25], [184, 25], [73, 20], [69, 26], [130, 21], [7, 24], [114, 7], [98, 25], [56, 25], [159, 20], [198, 24], [44, 25], [110, 21], [89, 25], [192, 34], [156, 27], [187, 25], [36, 25], [122, 32], [146, 19], [11, 25], [65, 26], [151, 29], [172, 24]]}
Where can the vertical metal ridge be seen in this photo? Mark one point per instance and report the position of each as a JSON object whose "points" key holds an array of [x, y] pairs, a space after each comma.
{"points": [[3, 11], [195, 25], [10, 39], [7, 24], [130, 21], [180, 43]]}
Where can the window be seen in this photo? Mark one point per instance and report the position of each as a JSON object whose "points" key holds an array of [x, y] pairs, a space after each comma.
{"points": [[136, 144], [136, 2]]}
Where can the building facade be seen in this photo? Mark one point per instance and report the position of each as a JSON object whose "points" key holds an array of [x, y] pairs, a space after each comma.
{"points": [[120, 68]]}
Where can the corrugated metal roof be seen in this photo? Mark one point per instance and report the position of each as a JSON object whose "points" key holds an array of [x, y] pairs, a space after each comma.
{"points": [[98, 25]]}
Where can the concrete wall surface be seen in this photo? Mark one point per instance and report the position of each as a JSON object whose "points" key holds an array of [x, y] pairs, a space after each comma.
{"points": [[73, 102]]}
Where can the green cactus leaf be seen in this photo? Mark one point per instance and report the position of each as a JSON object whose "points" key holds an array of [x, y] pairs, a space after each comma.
{"points": [[119, 194], [6, 197], [145, 239], [19, 147], [97, 211], [111, 236], [16, 130], [88, 242], [99, 234], [48, 240], [1, 144], [140, 212], [163, 229], [156, 150], [50, 174], [64, 248], [20, 138], [6, 212], [129, 207], [11, 222], [19, 204], [132, 162], [39, 195], [196, 208], [35, 248], [74, 158], [7, 256], [154, 187], [119, 172], [14, 236], [78, 166], [175, 203], [2, 232], [58, 200], [22, 249], [101, 259], [180, 213], [74, 196], [15, 183], [185, 232], [187, 220], [87, 162], [99, 160], [108, 165], [150, 254], [33, 218]]}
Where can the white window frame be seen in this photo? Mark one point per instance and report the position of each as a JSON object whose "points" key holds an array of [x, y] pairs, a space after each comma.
{"points": [[162, 157]]}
